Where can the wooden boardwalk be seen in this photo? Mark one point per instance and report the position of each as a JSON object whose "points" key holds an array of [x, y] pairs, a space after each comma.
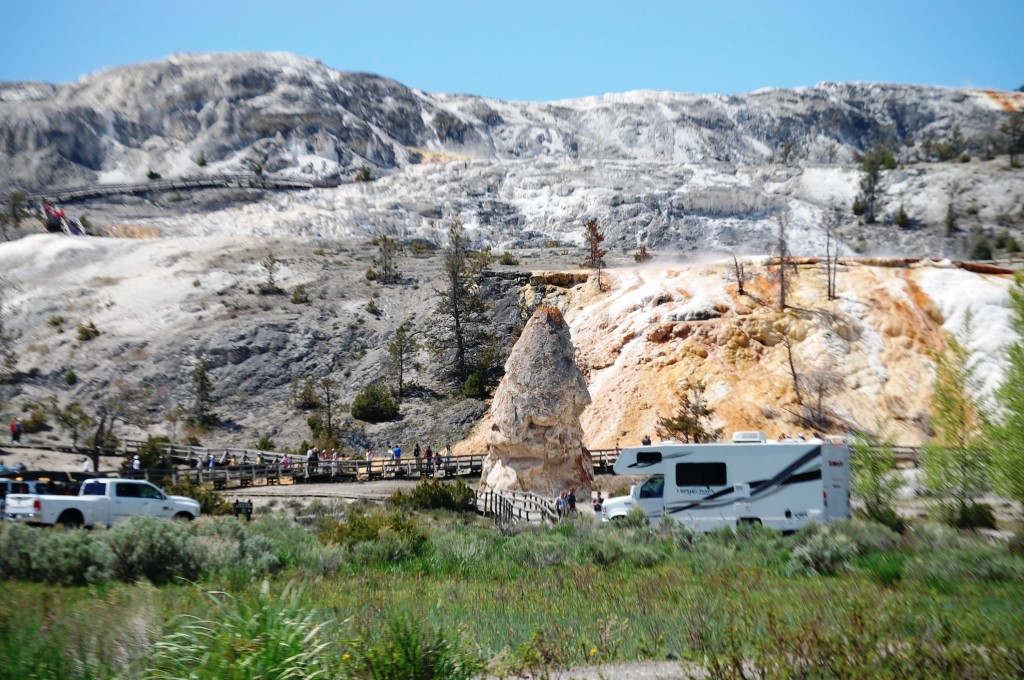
{"points": [[250, 181], [242, 468]]}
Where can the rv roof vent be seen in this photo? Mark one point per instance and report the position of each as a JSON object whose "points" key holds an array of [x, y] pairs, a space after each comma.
{"points": [[751, 437]]}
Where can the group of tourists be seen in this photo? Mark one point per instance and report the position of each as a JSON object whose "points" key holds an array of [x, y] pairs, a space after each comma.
{"points": [[315, 456], [425, 460], [565, 504], [13, 469], [16, 428]]}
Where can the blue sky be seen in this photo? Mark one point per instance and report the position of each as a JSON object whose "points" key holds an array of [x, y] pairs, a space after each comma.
{"points": [[544, 50]]}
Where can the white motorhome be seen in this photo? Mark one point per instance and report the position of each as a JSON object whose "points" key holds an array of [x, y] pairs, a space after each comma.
{"points": [[783, 485]]}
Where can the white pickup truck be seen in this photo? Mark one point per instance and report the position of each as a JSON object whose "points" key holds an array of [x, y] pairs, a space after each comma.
{"points": [[100, 502]]}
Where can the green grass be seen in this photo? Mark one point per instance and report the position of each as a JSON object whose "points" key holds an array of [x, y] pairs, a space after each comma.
{"points": [[441, 595]]}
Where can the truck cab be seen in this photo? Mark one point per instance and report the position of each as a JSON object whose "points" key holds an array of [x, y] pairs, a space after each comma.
{"points": [[648, 495]]}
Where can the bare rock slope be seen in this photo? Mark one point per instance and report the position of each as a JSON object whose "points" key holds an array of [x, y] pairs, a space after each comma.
{"points": [[675, 171], [687, 176]]}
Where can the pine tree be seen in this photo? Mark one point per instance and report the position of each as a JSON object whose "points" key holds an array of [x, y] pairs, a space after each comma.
{"points": [[459, 331], [11, 211], [950, 221], [122, 404], [873, 476], [385, 265], [832, 255], [328, 389], [782, 252], [402, 349], [595, 253], [874, 161], [689, 421], [1013, 133], [270, 265], [72, 418], [1006, 434], [955, 462], [902, 219], [202, 414]]}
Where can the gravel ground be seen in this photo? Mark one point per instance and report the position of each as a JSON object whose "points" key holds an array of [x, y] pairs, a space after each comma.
{"points": [[640, 670]]}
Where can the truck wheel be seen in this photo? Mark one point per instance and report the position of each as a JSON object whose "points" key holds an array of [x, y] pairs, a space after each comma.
{"points": [[70, 519], [183, 517]]}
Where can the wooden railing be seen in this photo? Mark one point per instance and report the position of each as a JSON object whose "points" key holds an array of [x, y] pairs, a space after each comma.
{"points": [[66, 194], [508, 507], [247, 467]]}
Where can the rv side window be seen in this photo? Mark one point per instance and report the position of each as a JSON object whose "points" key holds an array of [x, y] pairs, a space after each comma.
{"points": [[648, 457], [700, 474]]}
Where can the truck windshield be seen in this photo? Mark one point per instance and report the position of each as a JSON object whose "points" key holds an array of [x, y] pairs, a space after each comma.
{"points": [[653, 488]]}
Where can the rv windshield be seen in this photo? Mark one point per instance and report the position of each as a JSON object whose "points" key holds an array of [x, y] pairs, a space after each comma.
{"points": [[653, 488]]}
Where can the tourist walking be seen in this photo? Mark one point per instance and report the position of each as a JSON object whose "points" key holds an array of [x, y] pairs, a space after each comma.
{"points": [[560, 505]]}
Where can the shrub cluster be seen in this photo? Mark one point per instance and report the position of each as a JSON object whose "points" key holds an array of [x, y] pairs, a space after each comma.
{"points": [[375, 535], [407, 648], [374, 404], [727, 581], [273, 637], [433, 494], [150, 548]]}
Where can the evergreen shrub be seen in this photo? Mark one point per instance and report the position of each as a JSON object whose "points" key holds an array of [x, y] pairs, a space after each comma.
{"points": [[374, 404]]}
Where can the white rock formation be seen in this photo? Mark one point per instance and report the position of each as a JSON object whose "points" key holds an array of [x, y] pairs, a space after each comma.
{"points": [[535, 442]]}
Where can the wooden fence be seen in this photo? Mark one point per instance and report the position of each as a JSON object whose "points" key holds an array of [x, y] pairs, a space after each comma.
{"points": [[67, 194], [509, 507], [239, 467]]}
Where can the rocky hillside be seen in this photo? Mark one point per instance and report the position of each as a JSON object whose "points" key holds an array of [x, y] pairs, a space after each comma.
{"points": [[689, 176], [156, 302], [295, 115], [675, 171]]}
